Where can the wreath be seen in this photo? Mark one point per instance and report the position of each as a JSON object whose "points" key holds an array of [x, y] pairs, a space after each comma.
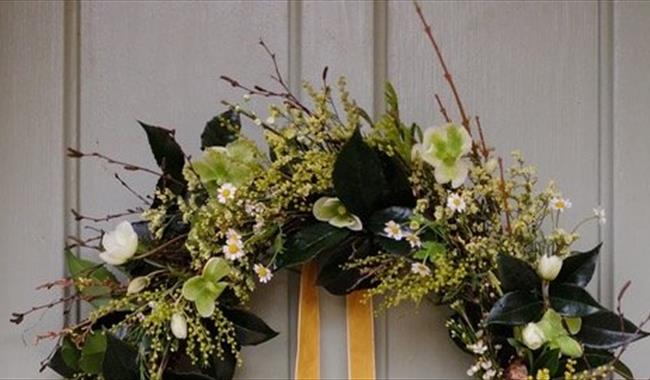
{"points": [[366, 207]]}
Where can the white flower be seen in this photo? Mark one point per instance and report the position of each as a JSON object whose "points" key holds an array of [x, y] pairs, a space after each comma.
{"points": [[226, 193], [559, 204], [233, 250], [120, 244], [233, 236], [533, 336], [137, 285], [420, 269], [263, 273], [179, 326], [270, 120], [478, 348], [456, 203], [414, 240], [473, 369], [393, 230], [549, 267], [600, 214], [489, 374]]}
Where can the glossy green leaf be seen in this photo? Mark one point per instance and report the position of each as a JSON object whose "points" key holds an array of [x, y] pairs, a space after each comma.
{"points": [[221, 129], [516, 308], [579, 267], [337, 280], [250, 330], [92, 353], [572, 301], [378, 219], [549, 359], [366, 180], [65, 360], [310, 242], [120, 360], [223, 368], [597, 358], [607, 330], [516, 274], [169, 156]]}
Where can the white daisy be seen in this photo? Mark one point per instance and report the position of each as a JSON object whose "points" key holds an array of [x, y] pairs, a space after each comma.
{"points": [[233, 236], [263, 273], [559, 204], [600, 214], [233, 250], [226, 193], [414, 240], [456, 203], [393, 230], [420, 269]]}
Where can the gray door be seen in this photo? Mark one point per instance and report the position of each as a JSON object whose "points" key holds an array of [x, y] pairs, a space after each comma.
{"points": [[566, 82]]}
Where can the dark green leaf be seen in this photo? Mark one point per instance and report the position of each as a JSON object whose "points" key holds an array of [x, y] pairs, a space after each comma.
{"points": [[120, 360], [249, 328], [65, 360], [221, 130], [178, 375], [516, 308], [79, 267], [169, 157], [378, 220], [597, 358], [549, 359], [309, 242], [579, 267], [572, 301], [92, 353], [366, 180], [337, 280], [516, 274], [606, 330], [223, 368]]}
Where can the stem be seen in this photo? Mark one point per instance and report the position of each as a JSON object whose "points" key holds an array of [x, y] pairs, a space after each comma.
{"points": [[505, 196], [545, 294], [443, 110]]}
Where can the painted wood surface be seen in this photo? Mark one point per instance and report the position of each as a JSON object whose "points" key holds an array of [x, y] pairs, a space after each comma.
{"points": [[565, 82]]}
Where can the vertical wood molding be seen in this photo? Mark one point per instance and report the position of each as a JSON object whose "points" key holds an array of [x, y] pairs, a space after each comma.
{"points": [[606, 157], [294, 69], [71, 113]]}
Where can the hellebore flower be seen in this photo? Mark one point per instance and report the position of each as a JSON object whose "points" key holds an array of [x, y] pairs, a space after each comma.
{"points": [[120, 244], [204, 289], [533, 336], [332, 211], [444, 148]]}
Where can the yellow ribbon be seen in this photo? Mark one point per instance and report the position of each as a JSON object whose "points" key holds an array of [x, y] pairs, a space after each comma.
{"points": [[360, 331]]}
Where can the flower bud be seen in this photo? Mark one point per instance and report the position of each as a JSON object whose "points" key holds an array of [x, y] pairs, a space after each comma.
{"points": [[532, 336], [179, 326], [549, 267], [137, 285]]}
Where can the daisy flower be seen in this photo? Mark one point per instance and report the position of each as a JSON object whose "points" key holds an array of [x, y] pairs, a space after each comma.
{"points": [[233, 250], [233, 236], [226, 193], [264, 274], [393, 230], [559, 204], [600, 214], [414, 240], [456, 203], [420, 269]]}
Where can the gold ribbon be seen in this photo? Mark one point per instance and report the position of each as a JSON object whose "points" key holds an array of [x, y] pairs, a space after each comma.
{"points": [[360, 331]]}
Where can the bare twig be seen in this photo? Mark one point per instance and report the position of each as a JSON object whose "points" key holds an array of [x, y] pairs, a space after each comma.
{"points": [[446, 73], [506, 207], [484, 149], [443, 110], [130, 189], [78, 217]]}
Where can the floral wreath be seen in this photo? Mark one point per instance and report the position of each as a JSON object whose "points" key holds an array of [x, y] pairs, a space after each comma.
{"points": [[377, 207]]}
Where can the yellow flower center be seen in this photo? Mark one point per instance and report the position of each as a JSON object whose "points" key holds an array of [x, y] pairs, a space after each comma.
{"points": [[560, 204], [233, 248], [456, 202], [225, 193]]}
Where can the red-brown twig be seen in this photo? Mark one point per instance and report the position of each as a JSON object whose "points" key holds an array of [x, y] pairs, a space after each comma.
{"points": [[619, 311], [17, 318], [446, 73], [442, 108], [130, 189], [78, 217], [504, 191], [484, 149]]}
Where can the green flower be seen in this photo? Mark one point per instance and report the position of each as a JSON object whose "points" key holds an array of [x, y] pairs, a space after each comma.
{"points": [[444, 148], [551, 330], [203, 290], [236, 163], [332, 211]]}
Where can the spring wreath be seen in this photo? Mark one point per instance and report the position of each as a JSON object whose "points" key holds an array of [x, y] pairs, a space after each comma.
{"points": [[378, 205]]}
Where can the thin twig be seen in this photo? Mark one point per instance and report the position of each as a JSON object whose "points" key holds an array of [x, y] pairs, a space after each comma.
{"points": [[78, 217], [505, 196], [447, 74], [130, 189], [443, 110], [484, 149]]}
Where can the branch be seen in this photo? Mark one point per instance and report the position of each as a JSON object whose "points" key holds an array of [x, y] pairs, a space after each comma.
{"points": [[505, 195], [443, 110]]}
